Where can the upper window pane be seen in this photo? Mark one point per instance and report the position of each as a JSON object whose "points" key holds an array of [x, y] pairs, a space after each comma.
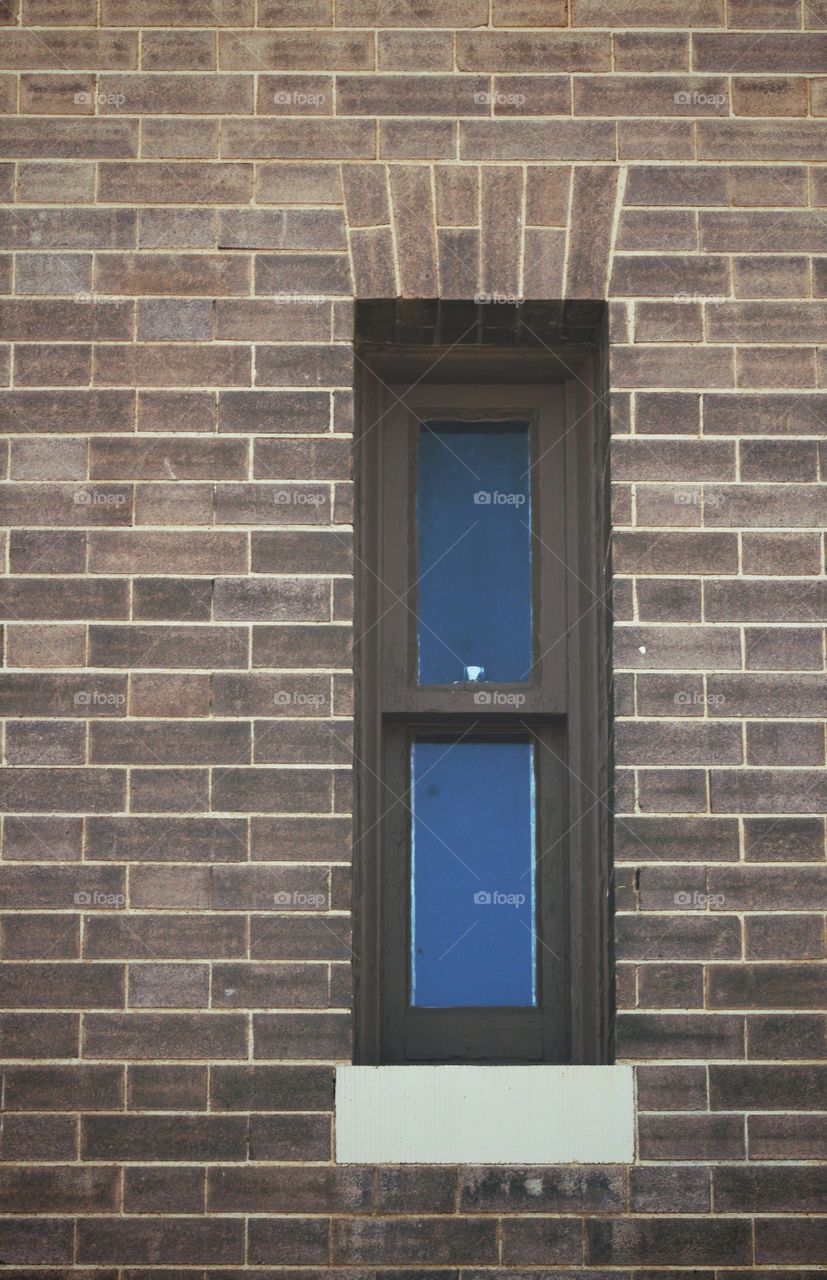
{"points": [[473, 873], [474, 552]]}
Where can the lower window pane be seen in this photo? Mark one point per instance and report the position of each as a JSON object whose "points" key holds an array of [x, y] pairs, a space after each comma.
{"points": [[473, 938]]}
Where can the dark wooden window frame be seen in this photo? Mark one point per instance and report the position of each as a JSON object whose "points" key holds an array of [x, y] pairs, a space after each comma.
{"points": [[565, 708]]}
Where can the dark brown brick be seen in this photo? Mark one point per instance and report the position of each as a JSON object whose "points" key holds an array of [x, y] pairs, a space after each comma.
{"points": [[291, 1191], [691, 1137], [667, 1241], [154, 1138], [165, 1035], [167, 1088], [402, 1241], [143, 1240]]}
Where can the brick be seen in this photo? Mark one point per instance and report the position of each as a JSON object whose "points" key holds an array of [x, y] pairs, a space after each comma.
{"points": [[270, 1191], [401, 95], [787, 986], [142, 1240], [546, 1190], [296, 1240], [546, 140], [661, 140], [176, 274], [402, 1241], [55, 985], [513, 51], [59, 1190], [544, 1240], [69, 50], [664, 1190], [668, 1088], [178, 50], [417, 50], [290, 139], [168, 986], [90, 139], [790, 53], [317, 1036], [165, 1035], [69, 790], [771, 96], [417, 139], [56, 182], [166, 839], [662, 1035], [33, 936], [36, 1138], [39, 1035], [529, 13], [150, 1190], [787, 1137], [61, 1088], [673, 367], [153, 1138], [769, 744], [692, 1137], [165, 1088], [164, 936], [689, 276], [665, 1241], [766, 14], [264, 1088], [42, 839], [784, 937], [38, 1241], [301, 938], [787, 1036], [289, 1137], [660, 51], [759, 140], [767, 1087]]}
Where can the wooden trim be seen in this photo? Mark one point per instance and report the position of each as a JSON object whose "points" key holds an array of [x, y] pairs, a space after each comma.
{"points": [[564, 702]]}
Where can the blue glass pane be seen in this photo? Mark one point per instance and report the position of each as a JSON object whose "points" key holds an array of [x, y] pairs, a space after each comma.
{"points": [[474, 552], [473, 873]]}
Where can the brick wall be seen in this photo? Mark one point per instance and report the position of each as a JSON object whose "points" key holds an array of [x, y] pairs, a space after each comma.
{"points": [[197, 190]]}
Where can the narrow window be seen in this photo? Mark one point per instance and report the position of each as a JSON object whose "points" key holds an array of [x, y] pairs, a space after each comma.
{"points": [[481, 867]]}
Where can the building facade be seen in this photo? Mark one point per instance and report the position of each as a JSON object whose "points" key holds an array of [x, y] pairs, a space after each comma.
{"points": [[214, 208]]}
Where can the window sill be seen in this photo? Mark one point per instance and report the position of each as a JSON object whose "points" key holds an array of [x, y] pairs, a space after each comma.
{"points": [[484, 1115]]}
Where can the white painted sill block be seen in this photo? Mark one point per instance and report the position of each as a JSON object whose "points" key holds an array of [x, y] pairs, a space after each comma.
{"points": [[485, 1115]]}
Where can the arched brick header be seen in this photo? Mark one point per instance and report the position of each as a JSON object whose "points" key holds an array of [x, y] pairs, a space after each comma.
{"points": [[459, 231]]}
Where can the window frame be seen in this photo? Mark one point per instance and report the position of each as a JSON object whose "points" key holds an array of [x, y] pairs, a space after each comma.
{"points": [[566, 699]]}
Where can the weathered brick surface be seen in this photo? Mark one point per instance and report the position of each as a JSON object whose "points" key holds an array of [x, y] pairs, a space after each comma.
{"points": [[194, 193]]}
